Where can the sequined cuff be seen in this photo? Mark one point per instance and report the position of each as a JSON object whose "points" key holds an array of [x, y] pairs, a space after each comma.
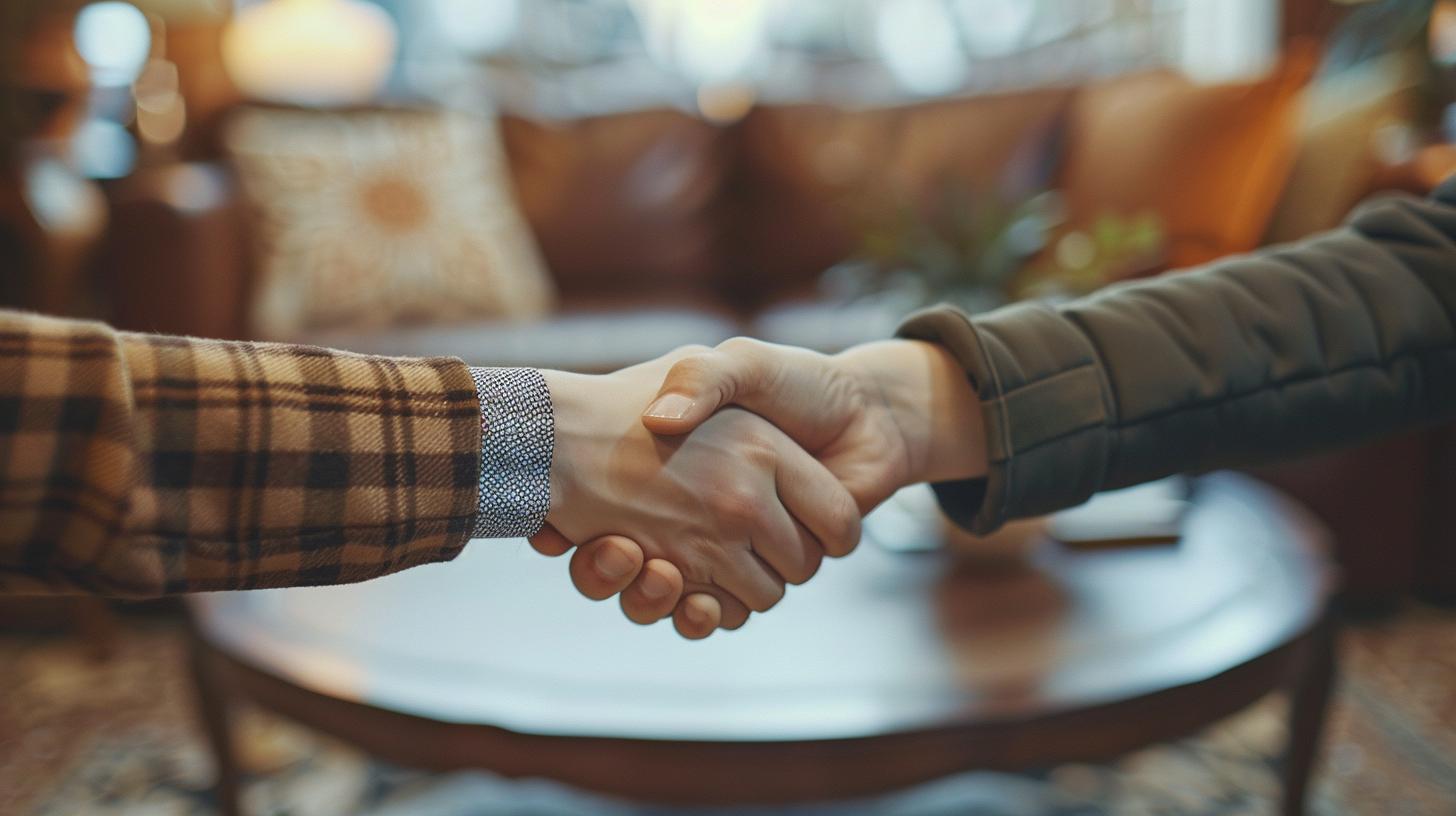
{"points": [[517, 435]]}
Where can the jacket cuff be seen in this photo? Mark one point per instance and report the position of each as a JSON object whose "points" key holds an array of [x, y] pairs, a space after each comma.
{"points": [[1045, 404], [517, 440]]}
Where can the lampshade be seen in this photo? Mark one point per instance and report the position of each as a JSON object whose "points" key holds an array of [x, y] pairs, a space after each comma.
{"points": [[310, 52]]}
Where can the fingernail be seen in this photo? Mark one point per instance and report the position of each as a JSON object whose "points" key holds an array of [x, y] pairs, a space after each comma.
{"points": [[670, 406], [612, 564], [654, 586]]}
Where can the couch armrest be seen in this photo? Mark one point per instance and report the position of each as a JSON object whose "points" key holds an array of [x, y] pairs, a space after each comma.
{"points": [[176, 257]]}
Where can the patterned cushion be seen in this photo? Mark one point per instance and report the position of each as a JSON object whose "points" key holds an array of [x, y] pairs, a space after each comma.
{"points": [[380, 218]]}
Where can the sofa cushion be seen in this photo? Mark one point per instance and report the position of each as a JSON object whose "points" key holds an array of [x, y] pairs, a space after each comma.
{"points": [[1209, 160], [585, 341], [622, 203], [380, 217], [813, 177]]}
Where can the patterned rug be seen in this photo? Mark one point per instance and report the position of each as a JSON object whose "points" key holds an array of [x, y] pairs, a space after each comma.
{"points": [[82, 736]]}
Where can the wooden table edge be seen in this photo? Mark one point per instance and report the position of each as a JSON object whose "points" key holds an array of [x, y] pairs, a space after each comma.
{"points": [[773, 772]]}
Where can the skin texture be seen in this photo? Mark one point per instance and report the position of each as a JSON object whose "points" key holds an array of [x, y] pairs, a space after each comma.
{"points": [[878, 417], [728, 514]]}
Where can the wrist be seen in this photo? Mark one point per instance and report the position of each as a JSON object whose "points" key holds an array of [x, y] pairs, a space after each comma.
{"points": [[571, 398], [926, 393]]}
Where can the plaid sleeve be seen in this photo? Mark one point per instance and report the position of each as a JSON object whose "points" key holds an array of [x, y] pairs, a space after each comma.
{"points": [[139, 465]]}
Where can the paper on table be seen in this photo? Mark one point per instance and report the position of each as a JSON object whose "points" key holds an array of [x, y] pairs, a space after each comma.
{"points": [[1143, 515]]}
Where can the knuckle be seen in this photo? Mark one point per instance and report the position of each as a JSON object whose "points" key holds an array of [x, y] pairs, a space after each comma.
{"points": [[843, 523], [754, 365], [740, 345], [773, 598], [735, 506], [692, 368], [695, 559], [690, 349], [700, 375], [757, 450], [762, 588], [769, 599], [806, 569], [639, 611], [734, 619]]}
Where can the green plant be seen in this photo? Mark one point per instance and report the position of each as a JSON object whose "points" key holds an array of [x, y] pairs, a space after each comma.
{"points": [[1083, 260], [963, 241]]}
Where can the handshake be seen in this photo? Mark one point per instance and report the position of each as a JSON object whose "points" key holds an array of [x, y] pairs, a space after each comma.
{"points": [[700, 484]]}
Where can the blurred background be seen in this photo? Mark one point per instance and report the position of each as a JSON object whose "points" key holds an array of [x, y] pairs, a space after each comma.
{"points": [[585, 184]]}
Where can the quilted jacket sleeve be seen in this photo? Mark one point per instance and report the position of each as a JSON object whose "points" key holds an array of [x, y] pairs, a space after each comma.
{"points": [[1298, 348]]}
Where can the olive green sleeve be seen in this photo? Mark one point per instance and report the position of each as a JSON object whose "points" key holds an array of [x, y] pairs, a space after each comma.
{"points": [[1298, 348]]}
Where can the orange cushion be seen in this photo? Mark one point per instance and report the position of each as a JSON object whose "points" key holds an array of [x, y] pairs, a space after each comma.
{"points": [[1210, 160]]}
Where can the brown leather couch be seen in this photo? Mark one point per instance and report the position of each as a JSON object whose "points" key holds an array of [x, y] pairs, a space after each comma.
{"points": [[661, 229]]}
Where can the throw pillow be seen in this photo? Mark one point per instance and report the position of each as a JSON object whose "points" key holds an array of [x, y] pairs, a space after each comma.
{"points": [[1210, 160], [382, 217]]}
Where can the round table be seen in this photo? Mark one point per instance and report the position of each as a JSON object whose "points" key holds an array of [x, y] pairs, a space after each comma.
{"points": [[885, 671]]}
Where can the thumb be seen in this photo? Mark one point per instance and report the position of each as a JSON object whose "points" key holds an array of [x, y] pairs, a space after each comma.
{"points": [[693, 390]]}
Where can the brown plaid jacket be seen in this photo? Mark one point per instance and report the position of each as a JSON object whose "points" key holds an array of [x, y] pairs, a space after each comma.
{"points": [[139, 465]]}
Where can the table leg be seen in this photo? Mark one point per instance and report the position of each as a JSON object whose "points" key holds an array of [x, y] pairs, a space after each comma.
{"points": [[216, 720], [1309, 697]]}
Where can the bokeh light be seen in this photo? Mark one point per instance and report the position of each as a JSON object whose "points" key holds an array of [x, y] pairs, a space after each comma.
{"points": [[918, 42], [114, 39]]}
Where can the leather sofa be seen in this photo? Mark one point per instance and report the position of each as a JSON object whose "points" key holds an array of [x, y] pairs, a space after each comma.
{"points": [[661, 229]]}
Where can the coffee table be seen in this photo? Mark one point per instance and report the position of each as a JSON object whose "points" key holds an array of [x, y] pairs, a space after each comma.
{"points": [[886, 671]]}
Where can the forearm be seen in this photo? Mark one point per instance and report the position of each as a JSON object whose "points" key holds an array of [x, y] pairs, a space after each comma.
{"points": [[272, 465], [1300, 348], [146, 465]]}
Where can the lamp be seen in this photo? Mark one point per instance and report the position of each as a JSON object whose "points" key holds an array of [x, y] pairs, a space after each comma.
{"points": [[310, 52]]}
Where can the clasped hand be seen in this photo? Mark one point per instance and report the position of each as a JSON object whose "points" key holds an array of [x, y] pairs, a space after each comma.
{"points": [[701, 483]]}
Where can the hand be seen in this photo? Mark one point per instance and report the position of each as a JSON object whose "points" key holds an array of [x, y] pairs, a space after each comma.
{"points": [[650, 592], [736, 507], [878, 416]]}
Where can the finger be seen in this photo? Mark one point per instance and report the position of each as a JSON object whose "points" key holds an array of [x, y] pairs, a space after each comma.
{"points": [[699, 384], [786, 545], [697, 616], [769, 589], [654, 594], [811, 493], [748, 578], [605, 566], [550, 542], [733, 613]]}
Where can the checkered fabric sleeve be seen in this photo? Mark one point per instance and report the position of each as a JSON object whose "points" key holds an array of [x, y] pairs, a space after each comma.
{"points": [[517, 435], [140, 465]]}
